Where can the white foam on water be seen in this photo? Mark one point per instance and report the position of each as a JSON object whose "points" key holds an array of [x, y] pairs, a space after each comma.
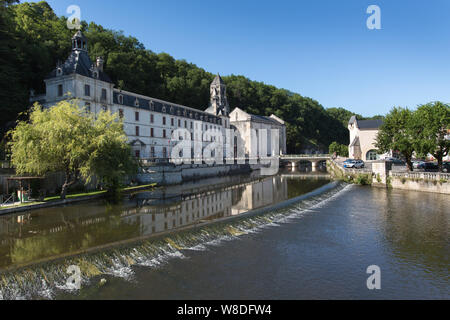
{"points": [[199, 247], [45, 291]]}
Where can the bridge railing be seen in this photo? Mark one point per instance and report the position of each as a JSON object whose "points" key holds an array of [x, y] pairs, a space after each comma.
{"points": [[301, 156]]}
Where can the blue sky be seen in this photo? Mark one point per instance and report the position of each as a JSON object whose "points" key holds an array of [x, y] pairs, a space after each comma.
{"points": [[320, 49]]}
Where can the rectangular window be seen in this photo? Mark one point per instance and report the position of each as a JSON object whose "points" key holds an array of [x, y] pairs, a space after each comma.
{"points": [[137, 153], [136, 116], [152, 133], [152, 118], [164, 133], [185, 124], [164, 121], [179, 123], [87, 90], [191, 125], [121, 113], [137, 131], [103, 95], [60, 90], [152, 152], [171, 122]]}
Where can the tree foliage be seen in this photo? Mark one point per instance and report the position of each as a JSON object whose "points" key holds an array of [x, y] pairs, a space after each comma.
{"points": [[397, 134], [66, 138], [37, 39], [431, 123], [340, 149]]}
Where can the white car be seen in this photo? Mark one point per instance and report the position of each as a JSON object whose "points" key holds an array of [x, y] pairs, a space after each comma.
{"points": [[356, 164]]}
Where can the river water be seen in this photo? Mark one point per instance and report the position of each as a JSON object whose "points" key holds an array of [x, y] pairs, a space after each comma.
{"points": [[160, 244]]}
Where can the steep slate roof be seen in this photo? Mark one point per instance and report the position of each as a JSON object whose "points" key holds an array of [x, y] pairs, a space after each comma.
{"points": [[355, 142], [265, 119], [79, 63], [365, 124], [218, 80], [369, 124]]}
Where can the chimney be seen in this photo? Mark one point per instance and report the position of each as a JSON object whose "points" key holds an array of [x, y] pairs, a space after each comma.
{"points": [[100, 63]]}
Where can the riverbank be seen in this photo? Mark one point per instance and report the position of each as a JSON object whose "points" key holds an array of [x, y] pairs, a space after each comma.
{"points": [[70, 199], [381, 175]]}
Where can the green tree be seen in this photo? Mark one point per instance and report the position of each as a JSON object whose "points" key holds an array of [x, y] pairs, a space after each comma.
{"points": [[397, 134], [66, 138], [340, 149], [432, 124]]}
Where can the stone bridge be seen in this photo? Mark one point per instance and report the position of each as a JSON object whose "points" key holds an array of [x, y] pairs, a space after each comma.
{"points": [[314, 159]]}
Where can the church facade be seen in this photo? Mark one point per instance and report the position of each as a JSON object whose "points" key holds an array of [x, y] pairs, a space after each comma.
{"points": [[150, 122]]}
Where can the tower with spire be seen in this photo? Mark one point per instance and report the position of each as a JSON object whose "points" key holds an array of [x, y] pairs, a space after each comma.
{"points": [[218, 104]]}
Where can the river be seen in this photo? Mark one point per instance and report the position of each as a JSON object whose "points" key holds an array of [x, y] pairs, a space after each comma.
{"points": [[161, 244]]}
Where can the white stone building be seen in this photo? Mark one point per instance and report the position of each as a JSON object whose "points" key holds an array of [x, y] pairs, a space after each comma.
{"points": [[363, 134], [148, 122]]}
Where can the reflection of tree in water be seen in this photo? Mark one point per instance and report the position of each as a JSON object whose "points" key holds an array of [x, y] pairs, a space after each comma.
{"points": [[416, 226], [68, 231]]}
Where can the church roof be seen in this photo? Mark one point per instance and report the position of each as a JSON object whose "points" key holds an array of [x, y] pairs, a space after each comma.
{"points": [[218, 80], [79, 35], [265, 119], [79, 63]]}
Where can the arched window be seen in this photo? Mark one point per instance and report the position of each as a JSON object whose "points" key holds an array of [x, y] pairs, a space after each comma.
{"points": [[372, 155]]}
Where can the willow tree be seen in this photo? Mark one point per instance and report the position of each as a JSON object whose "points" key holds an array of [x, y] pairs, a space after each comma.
{"points": [[397, 134], [67, 139], [432, 125]]}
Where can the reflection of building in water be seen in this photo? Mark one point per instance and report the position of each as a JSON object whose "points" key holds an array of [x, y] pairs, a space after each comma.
{"points": [[257, 195], [208, 206], [42, 234], [192, 209]]}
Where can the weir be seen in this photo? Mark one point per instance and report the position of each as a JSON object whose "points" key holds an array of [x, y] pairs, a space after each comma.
{"points": [[46, 278]]}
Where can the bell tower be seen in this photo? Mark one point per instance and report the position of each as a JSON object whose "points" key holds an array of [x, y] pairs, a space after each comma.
{"points": [[219, 102], [79, 42]]}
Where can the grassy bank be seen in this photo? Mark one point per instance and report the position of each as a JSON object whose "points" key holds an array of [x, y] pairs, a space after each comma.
{"points": [[76, 196]]}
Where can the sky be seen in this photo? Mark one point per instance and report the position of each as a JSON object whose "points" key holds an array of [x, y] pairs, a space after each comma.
{"points": [[320, 49]]}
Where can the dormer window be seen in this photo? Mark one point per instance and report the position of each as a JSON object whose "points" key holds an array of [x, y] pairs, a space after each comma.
{"points": [[136, 102], [59, 72], [152, 105], [120, 98], [163, 109], [171, 110], [95, 74]]}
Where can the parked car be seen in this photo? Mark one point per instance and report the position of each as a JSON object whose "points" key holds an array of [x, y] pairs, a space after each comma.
{"points": [[429, 166], [417, 164], [356, 164], [396, 161], [446, 166]]}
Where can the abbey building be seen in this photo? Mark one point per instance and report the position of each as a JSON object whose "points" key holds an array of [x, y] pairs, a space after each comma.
{"points": [[149, 122]]}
